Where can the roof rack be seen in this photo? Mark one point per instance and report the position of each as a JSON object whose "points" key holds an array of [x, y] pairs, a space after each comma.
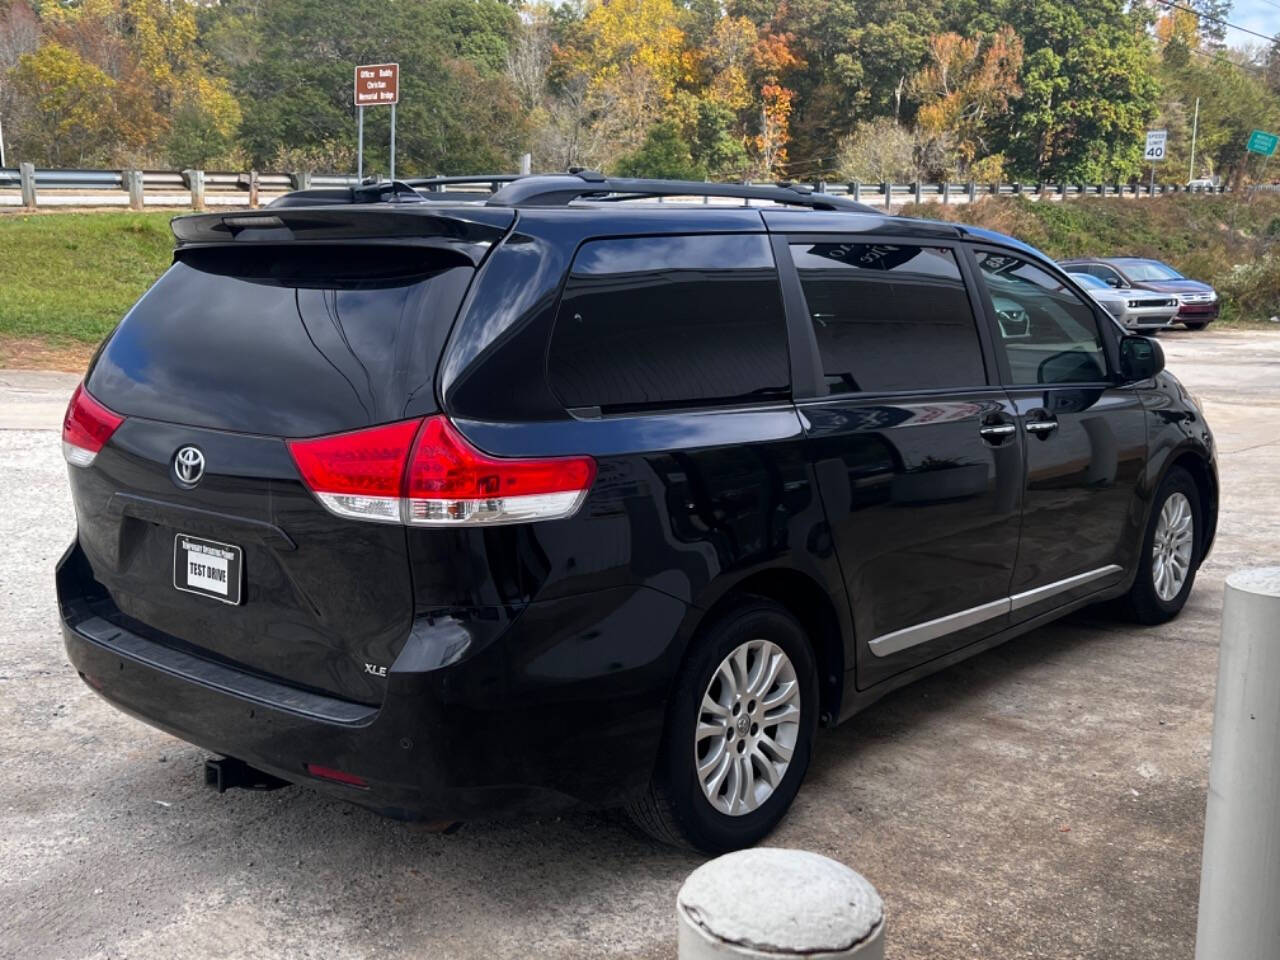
{"points": [[555, 190]]}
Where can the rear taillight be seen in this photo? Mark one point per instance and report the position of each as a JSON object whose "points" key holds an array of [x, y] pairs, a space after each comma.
{"points": [[87, 426], [425, 473]]}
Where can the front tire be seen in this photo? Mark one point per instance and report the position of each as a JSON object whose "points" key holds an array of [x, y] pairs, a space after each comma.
{"points": [[739, 733], [1170, 551]]}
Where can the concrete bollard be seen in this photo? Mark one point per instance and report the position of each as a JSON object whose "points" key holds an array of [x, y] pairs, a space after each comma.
{"points": [[27, 178], [1240, 875], [777, 903], [253, 188]]}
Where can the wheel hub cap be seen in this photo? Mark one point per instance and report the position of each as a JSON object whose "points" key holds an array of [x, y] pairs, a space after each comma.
{"points": [[748, 726], [1171, 547]]}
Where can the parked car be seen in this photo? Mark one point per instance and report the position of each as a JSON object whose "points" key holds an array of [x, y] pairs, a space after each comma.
{"points": [[457, 509], [1197, 302], [1201, 183], [1133, 310]]}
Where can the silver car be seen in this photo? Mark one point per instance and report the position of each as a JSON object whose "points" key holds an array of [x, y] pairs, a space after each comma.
{"points": [[1134, 309]]}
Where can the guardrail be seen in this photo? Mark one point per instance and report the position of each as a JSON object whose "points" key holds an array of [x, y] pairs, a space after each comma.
{"points": [[30, 187]]}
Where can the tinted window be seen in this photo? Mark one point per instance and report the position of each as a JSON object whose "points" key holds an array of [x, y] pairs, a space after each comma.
{"points": [[284, 341], [1107, 275], [1048, 333], [670, 321], [889, 316]]}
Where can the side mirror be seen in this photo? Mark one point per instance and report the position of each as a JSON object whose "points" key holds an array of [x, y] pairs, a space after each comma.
{"points": [[1141, 358], [1112, 281]]}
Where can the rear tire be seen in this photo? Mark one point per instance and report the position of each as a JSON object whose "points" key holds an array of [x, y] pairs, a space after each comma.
{"points": [[1170, 553], [749, 669]]}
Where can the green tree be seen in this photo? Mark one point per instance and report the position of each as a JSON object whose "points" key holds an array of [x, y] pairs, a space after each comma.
{"points": [[1089, 90], [664, 154], [457, 113], [714, 147]]}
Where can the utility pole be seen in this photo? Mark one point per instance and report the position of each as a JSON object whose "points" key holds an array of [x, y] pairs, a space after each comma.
{"points": [[1, 143], [1195, 123]]}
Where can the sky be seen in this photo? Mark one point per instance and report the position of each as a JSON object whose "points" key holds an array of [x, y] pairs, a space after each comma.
{"points": [[1262, 16]]}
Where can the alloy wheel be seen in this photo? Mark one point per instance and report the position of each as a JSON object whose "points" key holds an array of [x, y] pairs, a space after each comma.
{"points": [[748, 726], [1171, 546]]}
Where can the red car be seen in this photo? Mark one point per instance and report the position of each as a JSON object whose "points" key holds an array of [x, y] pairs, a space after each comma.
{"points": [[1197, 302]]}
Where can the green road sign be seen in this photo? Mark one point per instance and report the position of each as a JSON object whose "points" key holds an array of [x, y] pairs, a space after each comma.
{"points": [[1263, 143]]}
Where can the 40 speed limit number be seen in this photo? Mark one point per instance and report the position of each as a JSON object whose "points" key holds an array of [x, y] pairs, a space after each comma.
{"points": [[1155, 145]]}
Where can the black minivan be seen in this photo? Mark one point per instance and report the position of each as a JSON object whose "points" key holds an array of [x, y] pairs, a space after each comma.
{"points": [[458, 508]]}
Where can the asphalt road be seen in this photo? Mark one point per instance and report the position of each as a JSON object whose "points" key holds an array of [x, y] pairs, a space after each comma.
{"points": [[1045, 799]]}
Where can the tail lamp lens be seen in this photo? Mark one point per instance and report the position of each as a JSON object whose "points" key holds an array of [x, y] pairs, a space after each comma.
{"points": [[425, 473], [86, 428]]}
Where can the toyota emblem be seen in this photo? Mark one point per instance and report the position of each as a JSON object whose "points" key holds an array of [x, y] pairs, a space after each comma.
{"points": [[188, 466]]}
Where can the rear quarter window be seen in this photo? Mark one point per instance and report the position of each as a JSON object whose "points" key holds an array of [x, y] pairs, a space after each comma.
{"points": [[651, 322]]}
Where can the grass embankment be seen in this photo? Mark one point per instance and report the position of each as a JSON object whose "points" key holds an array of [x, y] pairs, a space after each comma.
{"points": [[1232, 243], [67, 278]]}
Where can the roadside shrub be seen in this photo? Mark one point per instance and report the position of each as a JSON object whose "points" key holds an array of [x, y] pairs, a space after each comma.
{"points": [[1251, 290]]}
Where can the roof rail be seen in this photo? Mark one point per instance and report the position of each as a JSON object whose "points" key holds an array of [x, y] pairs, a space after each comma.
{"points": [[556, 190], [434, 183]]}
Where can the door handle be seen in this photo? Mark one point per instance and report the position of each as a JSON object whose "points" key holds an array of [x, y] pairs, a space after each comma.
{"points": [[997, 432], [1041, 428]]}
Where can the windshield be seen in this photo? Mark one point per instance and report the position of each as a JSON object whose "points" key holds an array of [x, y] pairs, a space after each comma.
{"points": [[1088, 280], [1150, 270]]}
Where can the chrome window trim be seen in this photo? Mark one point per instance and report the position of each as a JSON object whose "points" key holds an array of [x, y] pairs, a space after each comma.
{"points": [[908, 637]]}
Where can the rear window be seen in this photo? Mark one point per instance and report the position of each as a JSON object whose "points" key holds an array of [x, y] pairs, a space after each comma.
{"points": [[650, 322], [287, 341]]}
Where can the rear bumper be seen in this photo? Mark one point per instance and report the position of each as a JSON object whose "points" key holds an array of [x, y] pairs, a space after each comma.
{"points": [[530, 723]]}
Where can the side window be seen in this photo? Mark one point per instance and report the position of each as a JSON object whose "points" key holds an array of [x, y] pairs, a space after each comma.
{"points": [[1107, 275], [889, 316], [1048, 333], [649, 322]]}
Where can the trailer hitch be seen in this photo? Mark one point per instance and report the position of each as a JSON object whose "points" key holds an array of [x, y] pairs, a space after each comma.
{"points": [[225, 773]]}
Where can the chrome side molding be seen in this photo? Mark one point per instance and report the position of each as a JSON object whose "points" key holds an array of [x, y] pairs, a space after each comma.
{"points": [[908, 637], [932, 629], [1036, 594]]}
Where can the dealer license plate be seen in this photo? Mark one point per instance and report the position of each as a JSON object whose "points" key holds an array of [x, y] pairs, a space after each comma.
{"points": [[207, 567]]}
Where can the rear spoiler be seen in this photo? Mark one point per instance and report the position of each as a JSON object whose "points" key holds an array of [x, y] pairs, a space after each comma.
{"points": [[425, 224]]}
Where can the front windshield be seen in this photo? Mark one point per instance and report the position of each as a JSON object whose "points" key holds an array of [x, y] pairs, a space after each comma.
{"points": [[1089, 280], [1150, 270]]}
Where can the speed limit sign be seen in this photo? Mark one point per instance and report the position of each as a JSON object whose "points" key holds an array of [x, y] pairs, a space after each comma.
{"points": [[1155, 145]]}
